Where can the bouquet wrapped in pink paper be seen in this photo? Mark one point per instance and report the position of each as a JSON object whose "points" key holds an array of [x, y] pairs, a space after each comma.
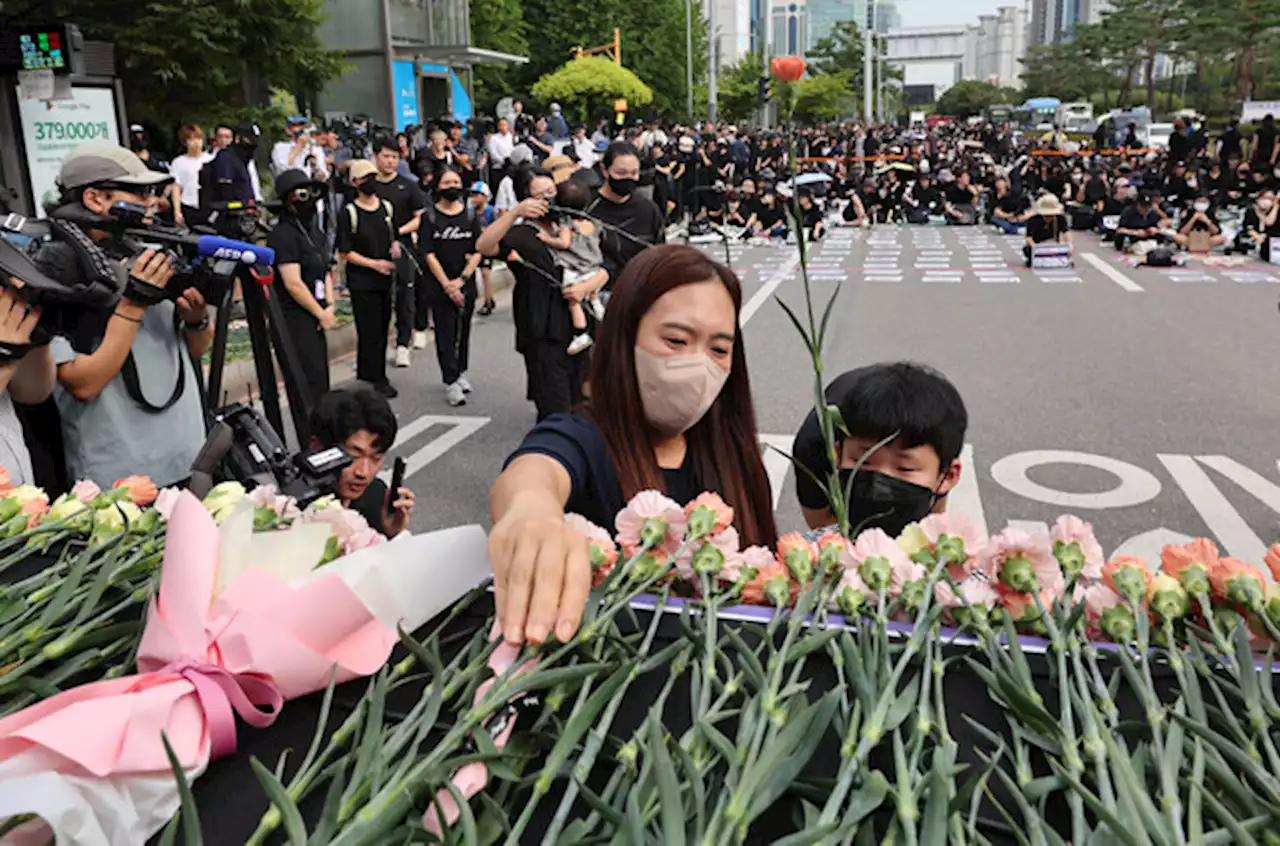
{"points": [[241, 623]]}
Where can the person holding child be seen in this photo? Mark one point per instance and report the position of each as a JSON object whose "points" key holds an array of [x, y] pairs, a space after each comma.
{"points": [[575, 246]]}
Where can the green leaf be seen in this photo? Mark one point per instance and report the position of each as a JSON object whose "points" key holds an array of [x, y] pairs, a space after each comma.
{"points": [[540, 679], [294, 827], [937, 809], [601, 807], [670, 804], [1242, 762], [783, 758], [465, 816], [191, 835], [580, 723], [750, 663], [1239, 836]]}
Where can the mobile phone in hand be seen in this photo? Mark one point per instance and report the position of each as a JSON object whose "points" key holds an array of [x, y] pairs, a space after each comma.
{"points": [[397, 479]]}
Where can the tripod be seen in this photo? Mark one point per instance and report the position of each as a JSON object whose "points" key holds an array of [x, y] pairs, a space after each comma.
{"points": [[266, 329]]}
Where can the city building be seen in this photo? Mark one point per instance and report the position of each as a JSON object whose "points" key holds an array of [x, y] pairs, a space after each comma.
{"points": [[825, 14], [996, 47], [733, 34], [408, 62], [789, 29], [930, 55], [1053, 21]]}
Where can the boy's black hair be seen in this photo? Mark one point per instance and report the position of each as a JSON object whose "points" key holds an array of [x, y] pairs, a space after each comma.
{"points": [[573, 194], [911, 399], [344, 411], [617, 150], [385, 142]]}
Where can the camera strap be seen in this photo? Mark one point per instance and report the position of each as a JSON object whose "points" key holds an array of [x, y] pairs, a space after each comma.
{"points": [[13, 353], [129, 372]]}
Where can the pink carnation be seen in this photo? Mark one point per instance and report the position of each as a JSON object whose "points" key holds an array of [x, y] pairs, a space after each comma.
{"points": [[975, 591], [876, 543], [717, 506], [361, 538], [265, 496], [344, 522], [1069, 529], [956, 525], [644, 507], [753, 559], [86, 491], [1014, 558], [604, 552], [166, 500]]}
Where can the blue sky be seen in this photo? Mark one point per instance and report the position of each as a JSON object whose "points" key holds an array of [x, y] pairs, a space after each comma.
{"points": [[925, 12]]}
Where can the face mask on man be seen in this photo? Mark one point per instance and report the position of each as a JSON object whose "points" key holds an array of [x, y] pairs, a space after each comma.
{"points": [[369, 187], [677, 391], [1265, 204], [1202, 207], [450, 195], [622, 187], [885, 502]]}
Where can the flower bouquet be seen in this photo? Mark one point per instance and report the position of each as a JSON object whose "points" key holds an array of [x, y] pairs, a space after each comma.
{"points": [[241, 621]]}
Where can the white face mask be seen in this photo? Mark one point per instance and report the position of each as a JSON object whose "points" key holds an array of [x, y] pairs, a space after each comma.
{"points": [[1265, 204], [677, 390], [1202, 207]]}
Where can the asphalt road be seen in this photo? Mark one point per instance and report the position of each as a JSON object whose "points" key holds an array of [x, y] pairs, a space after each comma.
{"points": [[1146, 401]]}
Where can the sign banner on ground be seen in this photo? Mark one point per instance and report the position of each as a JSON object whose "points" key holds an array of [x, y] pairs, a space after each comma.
{"points": [[1050, 256], [51, 129]]}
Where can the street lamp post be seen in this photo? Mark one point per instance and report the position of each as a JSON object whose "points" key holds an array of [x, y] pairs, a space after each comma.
{"points": [[712, 56], [866, 61], [688, 52]]}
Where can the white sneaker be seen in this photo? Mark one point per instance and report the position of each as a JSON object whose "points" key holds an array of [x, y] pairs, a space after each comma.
{"points": [[402, 356], [597, 307], [580, 343], [419, 340], [454, 395], [464, 383]]}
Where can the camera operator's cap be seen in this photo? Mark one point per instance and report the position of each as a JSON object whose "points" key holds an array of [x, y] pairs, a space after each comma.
{"points": [[560, 167], [295, 120], [481, 188], [94, 163], [520, 155], [601, 146], [360, 168]]}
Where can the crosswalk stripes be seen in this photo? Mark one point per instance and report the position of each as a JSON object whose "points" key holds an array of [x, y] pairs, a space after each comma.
{"points": [[1250, 277], [1189, 276], [997, 277], [1059, 276]]}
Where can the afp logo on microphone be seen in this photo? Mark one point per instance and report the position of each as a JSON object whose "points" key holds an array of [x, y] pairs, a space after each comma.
{"points": [[233, 254]]}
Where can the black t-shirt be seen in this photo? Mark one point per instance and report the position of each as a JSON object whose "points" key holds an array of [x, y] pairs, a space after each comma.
{"points": [[370, 503], [451, 237], [926, 196], [1266, 142], [1133, 218], [736, 216], [811, 216], [1013, 203], [769, 216], [299, 243], [639, 217], [1041, 229], [537, 302], [1113, 207], [405, 197], [371, 238], [574, 441], [1095, 191], [957, 195]]}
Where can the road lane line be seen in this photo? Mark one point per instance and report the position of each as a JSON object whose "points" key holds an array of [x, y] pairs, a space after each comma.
{"points": [[1222, 519], [779, 275], [1111, 273], [965, 498]]}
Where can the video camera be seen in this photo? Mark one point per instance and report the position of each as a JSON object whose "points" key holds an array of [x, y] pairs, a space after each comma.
{"points": [[205, 262], [244, 447]]}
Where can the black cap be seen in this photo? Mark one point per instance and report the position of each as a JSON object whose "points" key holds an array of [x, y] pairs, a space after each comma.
{"points": [[293, 178], [246, 129]]}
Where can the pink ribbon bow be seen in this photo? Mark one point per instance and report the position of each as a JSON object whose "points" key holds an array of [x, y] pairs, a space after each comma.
{"points": [[224, 694]]}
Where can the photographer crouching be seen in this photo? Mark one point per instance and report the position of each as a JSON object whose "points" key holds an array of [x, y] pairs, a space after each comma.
{"points": [[127, 390]]}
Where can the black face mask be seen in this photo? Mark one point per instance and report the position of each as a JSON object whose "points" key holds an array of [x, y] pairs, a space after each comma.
{"points": [[305, 210], [622, 187], [450, 194], [369, 187], [885, 502]]}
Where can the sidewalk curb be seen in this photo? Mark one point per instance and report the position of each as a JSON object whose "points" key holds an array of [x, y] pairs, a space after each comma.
{"points": [[240, 378]]}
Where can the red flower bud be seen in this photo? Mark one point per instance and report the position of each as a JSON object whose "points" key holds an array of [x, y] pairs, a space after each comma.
{"points": [[788, 68]]}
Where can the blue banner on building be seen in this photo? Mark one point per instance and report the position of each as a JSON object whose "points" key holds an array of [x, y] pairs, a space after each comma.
{"points": [[405, 77]]}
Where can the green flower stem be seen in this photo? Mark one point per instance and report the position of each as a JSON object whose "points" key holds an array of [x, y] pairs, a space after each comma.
{"points": [[595, 739], [1093, 745], [1066, 720]]}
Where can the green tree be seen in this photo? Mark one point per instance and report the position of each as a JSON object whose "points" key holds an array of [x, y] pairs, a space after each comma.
{"points": [[653, 43], [839, 54], [191, 60], [496, 25], [736, 88], [970, 97], [823, 98], [591, 82]]}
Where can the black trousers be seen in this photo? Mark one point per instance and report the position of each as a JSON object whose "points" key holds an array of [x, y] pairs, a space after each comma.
{"points": [[372, 311], [555, 377], [406, 298], [313, 352], [422, 305], [453, 333]]}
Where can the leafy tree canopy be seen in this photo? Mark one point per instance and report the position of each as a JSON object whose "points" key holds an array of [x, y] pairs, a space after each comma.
{"points": [[970, 97], [823, 98], [591, 81]]}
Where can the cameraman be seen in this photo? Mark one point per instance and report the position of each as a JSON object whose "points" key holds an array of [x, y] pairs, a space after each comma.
{"points": [[127, 389], [360, 420]]}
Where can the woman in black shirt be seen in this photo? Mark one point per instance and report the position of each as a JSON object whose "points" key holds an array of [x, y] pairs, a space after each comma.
{"points": [[450, 247], [302, 281], [670, 410]]}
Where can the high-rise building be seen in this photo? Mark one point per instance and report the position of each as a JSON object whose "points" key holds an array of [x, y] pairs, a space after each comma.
{"points": [[825, 14], [789, 30], [732, 38], [996, 47], [1053, 21]]}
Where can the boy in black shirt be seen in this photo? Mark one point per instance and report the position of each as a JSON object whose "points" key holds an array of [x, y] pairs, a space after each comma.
{"points": [[366, 239]]}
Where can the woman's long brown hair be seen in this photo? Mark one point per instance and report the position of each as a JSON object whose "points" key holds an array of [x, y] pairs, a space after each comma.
{"points": [[723, 445]]}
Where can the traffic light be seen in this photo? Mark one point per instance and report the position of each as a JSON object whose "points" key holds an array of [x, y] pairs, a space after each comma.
{"points": [[762, 90]]}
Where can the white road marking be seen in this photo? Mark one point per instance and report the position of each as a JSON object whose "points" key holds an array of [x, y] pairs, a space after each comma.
{"points": [[1226, 524], [762, 294], [965, 498], [461, 429], [1249, 277], [1135, 486], [777, 465], [1112, 273], [1031, 527]]}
